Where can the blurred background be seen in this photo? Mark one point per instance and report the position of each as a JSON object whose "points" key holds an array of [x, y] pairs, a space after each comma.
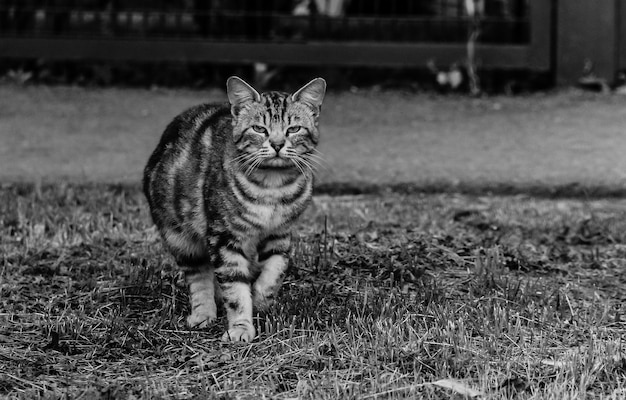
{"points": [[528, 43], [431, 81], [539, 40]]}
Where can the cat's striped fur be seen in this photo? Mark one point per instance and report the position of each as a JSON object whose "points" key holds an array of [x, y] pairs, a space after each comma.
{"points": [[224, 185]]}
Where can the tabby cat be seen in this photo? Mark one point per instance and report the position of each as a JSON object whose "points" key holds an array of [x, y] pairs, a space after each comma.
{"points": [[225, 185]]}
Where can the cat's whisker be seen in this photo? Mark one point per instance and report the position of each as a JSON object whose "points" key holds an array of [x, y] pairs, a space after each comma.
{"points": [[297, 164], [250, 167], [244, 160], [315, 157], [304, 164], [310, 166], [315, 152], [242, 157], [259, 163], [254, 165], [245, 166], [317, 163], [249, 161], [293, 156]]}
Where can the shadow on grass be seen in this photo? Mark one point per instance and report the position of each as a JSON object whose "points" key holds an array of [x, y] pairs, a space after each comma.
{"points": [[572, 191]]}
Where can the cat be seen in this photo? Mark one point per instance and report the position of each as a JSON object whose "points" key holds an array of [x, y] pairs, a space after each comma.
{"points": [[225, 185]]}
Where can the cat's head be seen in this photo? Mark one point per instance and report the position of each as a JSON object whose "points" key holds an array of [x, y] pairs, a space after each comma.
{"points": [[275, 129]]}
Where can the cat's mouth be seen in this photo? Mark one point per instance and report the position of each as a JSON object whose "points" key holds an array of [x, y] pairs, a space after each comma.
{"points": [[276, 163]]}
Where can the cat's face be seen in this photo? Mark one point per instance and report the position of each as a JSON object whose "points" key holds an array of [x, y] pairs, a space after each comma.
{"points": [[274, 129]]}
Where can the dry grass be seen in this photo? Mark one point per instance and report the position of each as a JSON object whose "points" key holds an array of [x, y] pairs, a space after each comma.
{"points": [[514, 297]]}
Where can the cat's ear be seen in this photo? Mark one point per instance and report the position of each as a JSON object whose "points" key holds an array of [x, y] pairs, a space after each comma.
{"points": [[312, 93], [239, 93]]}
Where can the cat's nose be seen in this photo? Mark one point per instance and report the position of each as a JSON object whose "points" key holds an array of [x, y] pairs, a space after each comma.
{"points": [[277, 146]]}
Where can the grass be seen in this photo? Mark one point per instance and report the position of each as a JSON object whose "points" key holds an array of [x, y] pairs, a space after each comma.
{"points": [[389, 297], [557, 139]]}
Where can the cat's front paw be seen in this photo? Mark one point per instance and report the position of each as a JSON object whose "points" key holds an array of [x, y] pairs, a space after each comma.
{"points": [[239, 333], [201, 317]]}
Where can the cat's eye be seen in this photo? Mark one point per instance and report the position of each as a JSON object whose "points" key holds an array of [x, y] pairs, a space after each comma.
{"points": [[259, 129], [294, 129]]}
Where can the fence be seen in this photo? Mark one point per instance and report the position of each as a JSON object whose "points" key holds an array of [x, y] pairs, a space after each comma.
{"points": [[514, 33]]}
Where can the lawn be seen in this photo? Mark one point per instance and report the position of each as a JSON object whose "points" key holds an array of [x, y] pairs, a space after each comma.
{"points": [[562, 139], [390, 296], [428, 283]]}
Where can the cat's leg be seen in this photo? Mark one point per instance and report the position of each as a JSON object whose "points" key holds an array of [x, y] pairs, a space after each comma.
{"points": [[191, 257], [233, 276], [201, 297], [274, 261]]}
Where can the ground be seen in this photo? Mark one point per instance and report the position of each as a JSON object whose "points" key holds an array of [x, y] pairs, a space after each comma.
{"points": [[556, 139], [399, 293]]}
